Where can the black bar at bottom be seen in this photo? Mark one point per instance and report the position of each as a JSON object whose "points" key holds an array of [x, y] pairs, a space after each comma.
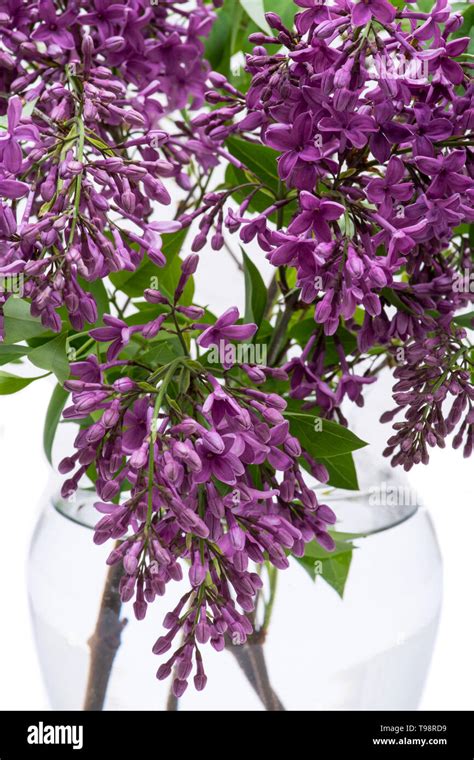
{"points": [[148, 734]]}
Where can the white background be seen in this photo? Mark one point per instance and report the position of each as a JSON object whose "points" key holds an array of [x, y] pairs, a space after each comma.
{"points": [[445, 486]]}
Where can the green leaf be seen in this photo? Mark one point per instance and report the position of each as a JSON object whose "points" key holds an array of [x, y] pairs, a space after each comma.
{"points": [[217, 50], [303, 330], [52, 356], [133, 284], [142, 316], [260, 159], [465, 320], [172, 244], [19, 324], [322, 438], [163, 352], [12, 384], [100, 144], [335, 571], [342, 472], [12, 353], [255, 9], [327, 442], [221, 40], [53, 415], [255, 292]]}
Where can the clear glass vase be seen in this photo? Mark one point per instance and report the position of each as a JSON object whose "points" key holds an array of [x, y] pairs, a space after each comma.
{"points": [[370, 650]]}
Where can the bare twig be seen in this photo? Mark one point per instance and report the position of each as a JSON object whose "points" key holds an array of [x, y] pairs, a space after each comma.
{"points": [[105, 641], [251, 659]]}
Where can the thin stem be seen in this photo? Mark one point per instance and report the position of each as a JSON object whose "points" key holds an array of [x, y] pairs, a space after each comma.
{"points": [[273, 581], [85, 346], [77, 192], [279, 333], [179, 333]]}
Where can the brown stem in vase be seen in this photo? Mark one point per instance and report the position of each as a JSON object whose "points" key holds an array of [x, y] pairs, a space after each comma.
{"points": [[251, 659], [105, 641], [172, 701]]}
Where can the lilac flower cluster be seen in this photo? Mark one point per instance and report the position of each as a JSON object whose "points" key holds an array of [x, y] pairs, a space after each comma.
{"points": [[213, 477], [370, 110], [84, 147], [435, 369]]}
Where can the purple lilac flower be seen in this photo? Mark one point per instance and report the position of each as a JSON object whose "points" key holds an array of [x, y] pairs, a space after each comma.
{"points": [[10, 149], [116, 331], [315, 215], [428, 129], [352, 129], [364, 10], [446, 172], [296, 163], [385, 191], [224, 330], [53, 28]]}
